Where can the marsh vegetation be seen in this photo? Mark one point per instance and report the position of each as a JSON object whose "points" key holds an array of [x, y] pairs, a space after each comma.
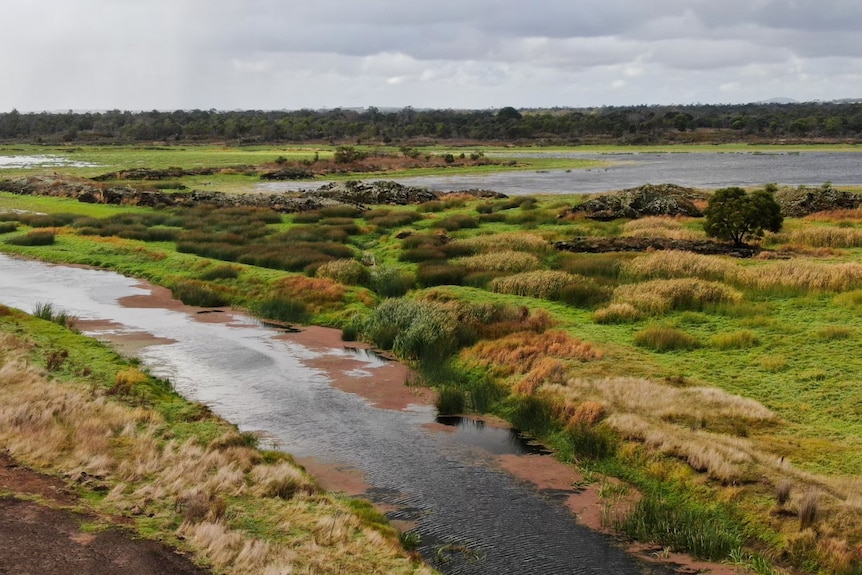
{"points": [[725, 391]]}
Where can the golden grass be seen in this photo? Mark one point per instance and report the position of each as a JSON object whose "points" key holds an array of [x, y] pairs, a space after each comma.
{"points": [[539, 284], [65, 428], [668, 264], [508, 261], [345, 271], [521, 352], [515, 241], [803, 274], [617, 313], [659, 296], [317, 293], [660, 227], [826, 237]]}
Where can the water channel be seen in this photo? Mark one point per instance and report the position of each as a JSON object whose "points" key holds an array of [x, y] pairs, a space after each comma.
{"points": [[472, 516], [707, 170]]}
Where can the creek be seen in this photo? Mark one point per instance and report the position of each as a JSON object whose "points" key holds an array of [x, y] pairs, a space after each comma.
{"points": [[444, 481]]}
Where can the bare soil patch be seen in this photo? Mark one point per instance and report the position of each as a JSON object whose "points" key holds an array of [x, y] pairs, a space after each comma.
{"points": [[41, 539]]}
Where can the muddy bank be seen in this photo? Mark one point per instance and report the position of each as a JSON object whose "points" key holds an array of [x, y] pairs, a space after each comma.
{"points": [[49, 539]]}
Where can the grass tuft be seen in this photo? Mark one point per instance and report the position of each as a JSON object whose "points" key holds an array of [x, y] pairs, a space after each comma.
{"points": [[663, 338]]}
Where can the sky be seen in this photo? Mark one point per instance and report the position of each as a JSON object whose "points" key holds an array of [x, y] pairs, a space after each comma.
{"points": [[58, 55]]}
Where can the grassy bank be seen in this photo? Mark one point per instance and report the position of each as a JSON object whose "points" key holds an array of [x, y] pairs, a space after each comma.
{"points": [[725, 391], [135, 449]]}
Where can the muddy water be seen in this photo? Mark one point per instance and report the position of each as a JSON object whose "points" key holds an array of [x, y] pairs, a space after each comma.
{"points": [[448, 485]]}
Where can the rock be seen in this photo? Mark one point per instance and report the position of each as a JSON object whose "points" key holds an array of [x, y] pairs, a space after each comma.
{"points": [[802, 201], [288, 173], [705, 247], [378, 193], [646, 200]]}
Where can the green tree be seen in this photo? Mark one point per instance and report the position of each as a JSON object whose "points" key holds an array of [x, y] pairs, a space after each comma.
{"points": [[734, 215]]}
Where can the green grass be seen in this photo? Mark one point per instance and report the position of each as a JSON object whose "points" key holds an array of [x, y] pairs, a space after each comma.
{"points": [[795, 352]]}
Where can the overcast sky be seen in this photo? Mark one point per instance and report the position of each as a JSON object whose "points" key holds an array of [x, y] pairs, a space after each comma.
{"points": [[476, 54]]}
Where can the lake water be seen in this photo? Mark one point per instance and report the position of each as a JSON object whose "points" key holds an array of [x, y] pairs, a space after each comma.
{"points": [[447, 484], [706, 170]]}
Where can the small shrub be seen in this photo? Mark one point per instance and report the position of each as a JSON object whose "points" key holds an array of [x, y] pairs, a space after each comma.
{"points": [[33, 238], [310, 217], [591, 442], [195, 293], [341, 211], [282, 309], [431, 274], [547, 284], [593, 266], [617, 313], [450, 401], [456, 222], [662, 338], [348, 272], [499, 261], [834, 332], [222, 272], [737, 340], [808, 509], [782, 492], [389, 281]]}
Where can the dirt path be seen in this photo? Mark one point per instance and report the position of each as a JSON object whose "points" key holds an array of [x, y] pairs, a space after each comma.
{"points": [[47, 538]]}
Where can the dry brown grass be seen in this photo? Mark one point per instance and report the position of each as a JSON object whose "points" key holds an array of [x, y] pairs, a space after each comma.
{"points": [[803, 274], [617, 313], [317, 293], [506, 261], [691, 423], [826, 237], [539, 284], [660, 227], [521, 352], [669, 264], [655, 297], [65, 429], [516, 241]]}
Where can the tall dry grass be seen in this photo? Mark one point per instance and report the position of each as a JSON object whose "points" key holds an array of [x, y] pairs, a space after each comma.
{"points": [[521, 352], [691, 423], [659, 296], [67, 429], [516, 241], [826, 237], [500, 261], [660, 227], [669, 264], [546, 284]]}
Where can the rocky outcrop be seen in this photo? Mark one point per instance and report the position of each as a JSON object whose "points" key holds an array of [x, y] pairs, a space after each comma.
{"points": [[351, 192], [705, 247], [802, 201], [646, 200]]}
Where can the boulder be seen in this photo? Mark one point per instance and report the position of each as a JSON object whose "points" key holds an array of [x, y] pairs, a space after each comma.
{"points": [[802, 201]]}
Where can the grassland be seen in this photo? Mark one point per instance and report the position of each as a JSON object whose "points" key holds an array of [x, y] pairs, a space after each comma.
{"points": [[727, 392]]}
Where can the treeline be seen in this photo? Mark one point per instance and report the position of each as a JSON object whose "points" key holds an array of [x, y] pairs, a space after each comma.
{"points": [[625, 125]]}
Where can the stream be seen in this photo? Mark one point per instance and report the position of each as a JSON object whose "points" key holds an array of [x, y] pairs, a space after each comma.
{"points": [[472, 516]]}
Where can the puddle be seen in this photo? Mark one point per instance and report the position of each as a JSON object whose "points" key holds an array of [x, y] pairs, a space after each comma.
{"points": [[493, 439], [41, 161]]}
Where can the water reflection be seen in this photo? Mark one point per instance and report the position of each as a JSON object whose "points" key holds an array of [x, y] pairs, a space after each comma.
{"points": [[495, 440]]}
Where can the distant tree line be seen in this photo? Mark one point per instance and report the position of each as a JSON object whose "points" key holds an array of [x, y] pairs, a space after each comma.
{"points": [[623, 125]]}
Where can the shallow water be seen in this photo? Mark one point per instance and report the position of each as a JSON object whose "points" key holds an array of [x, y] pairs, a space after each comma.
{"points": [[706, 170], [472, 516], [41, 161]]}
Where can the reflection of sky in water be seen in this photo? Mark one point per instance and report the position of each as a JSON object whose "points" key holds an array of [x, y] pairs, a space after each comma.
{"points": [[16, 162], [261, 383], [708, 170]]}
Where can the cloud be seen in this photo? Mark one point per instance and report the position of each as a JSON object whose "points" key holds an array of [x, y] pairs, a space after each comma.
{"points": [[143, 54]]}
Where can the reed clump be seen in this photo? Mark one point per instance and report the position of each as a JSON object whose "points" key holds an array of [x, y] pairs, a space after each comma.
{"points": [[656, 297]]}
